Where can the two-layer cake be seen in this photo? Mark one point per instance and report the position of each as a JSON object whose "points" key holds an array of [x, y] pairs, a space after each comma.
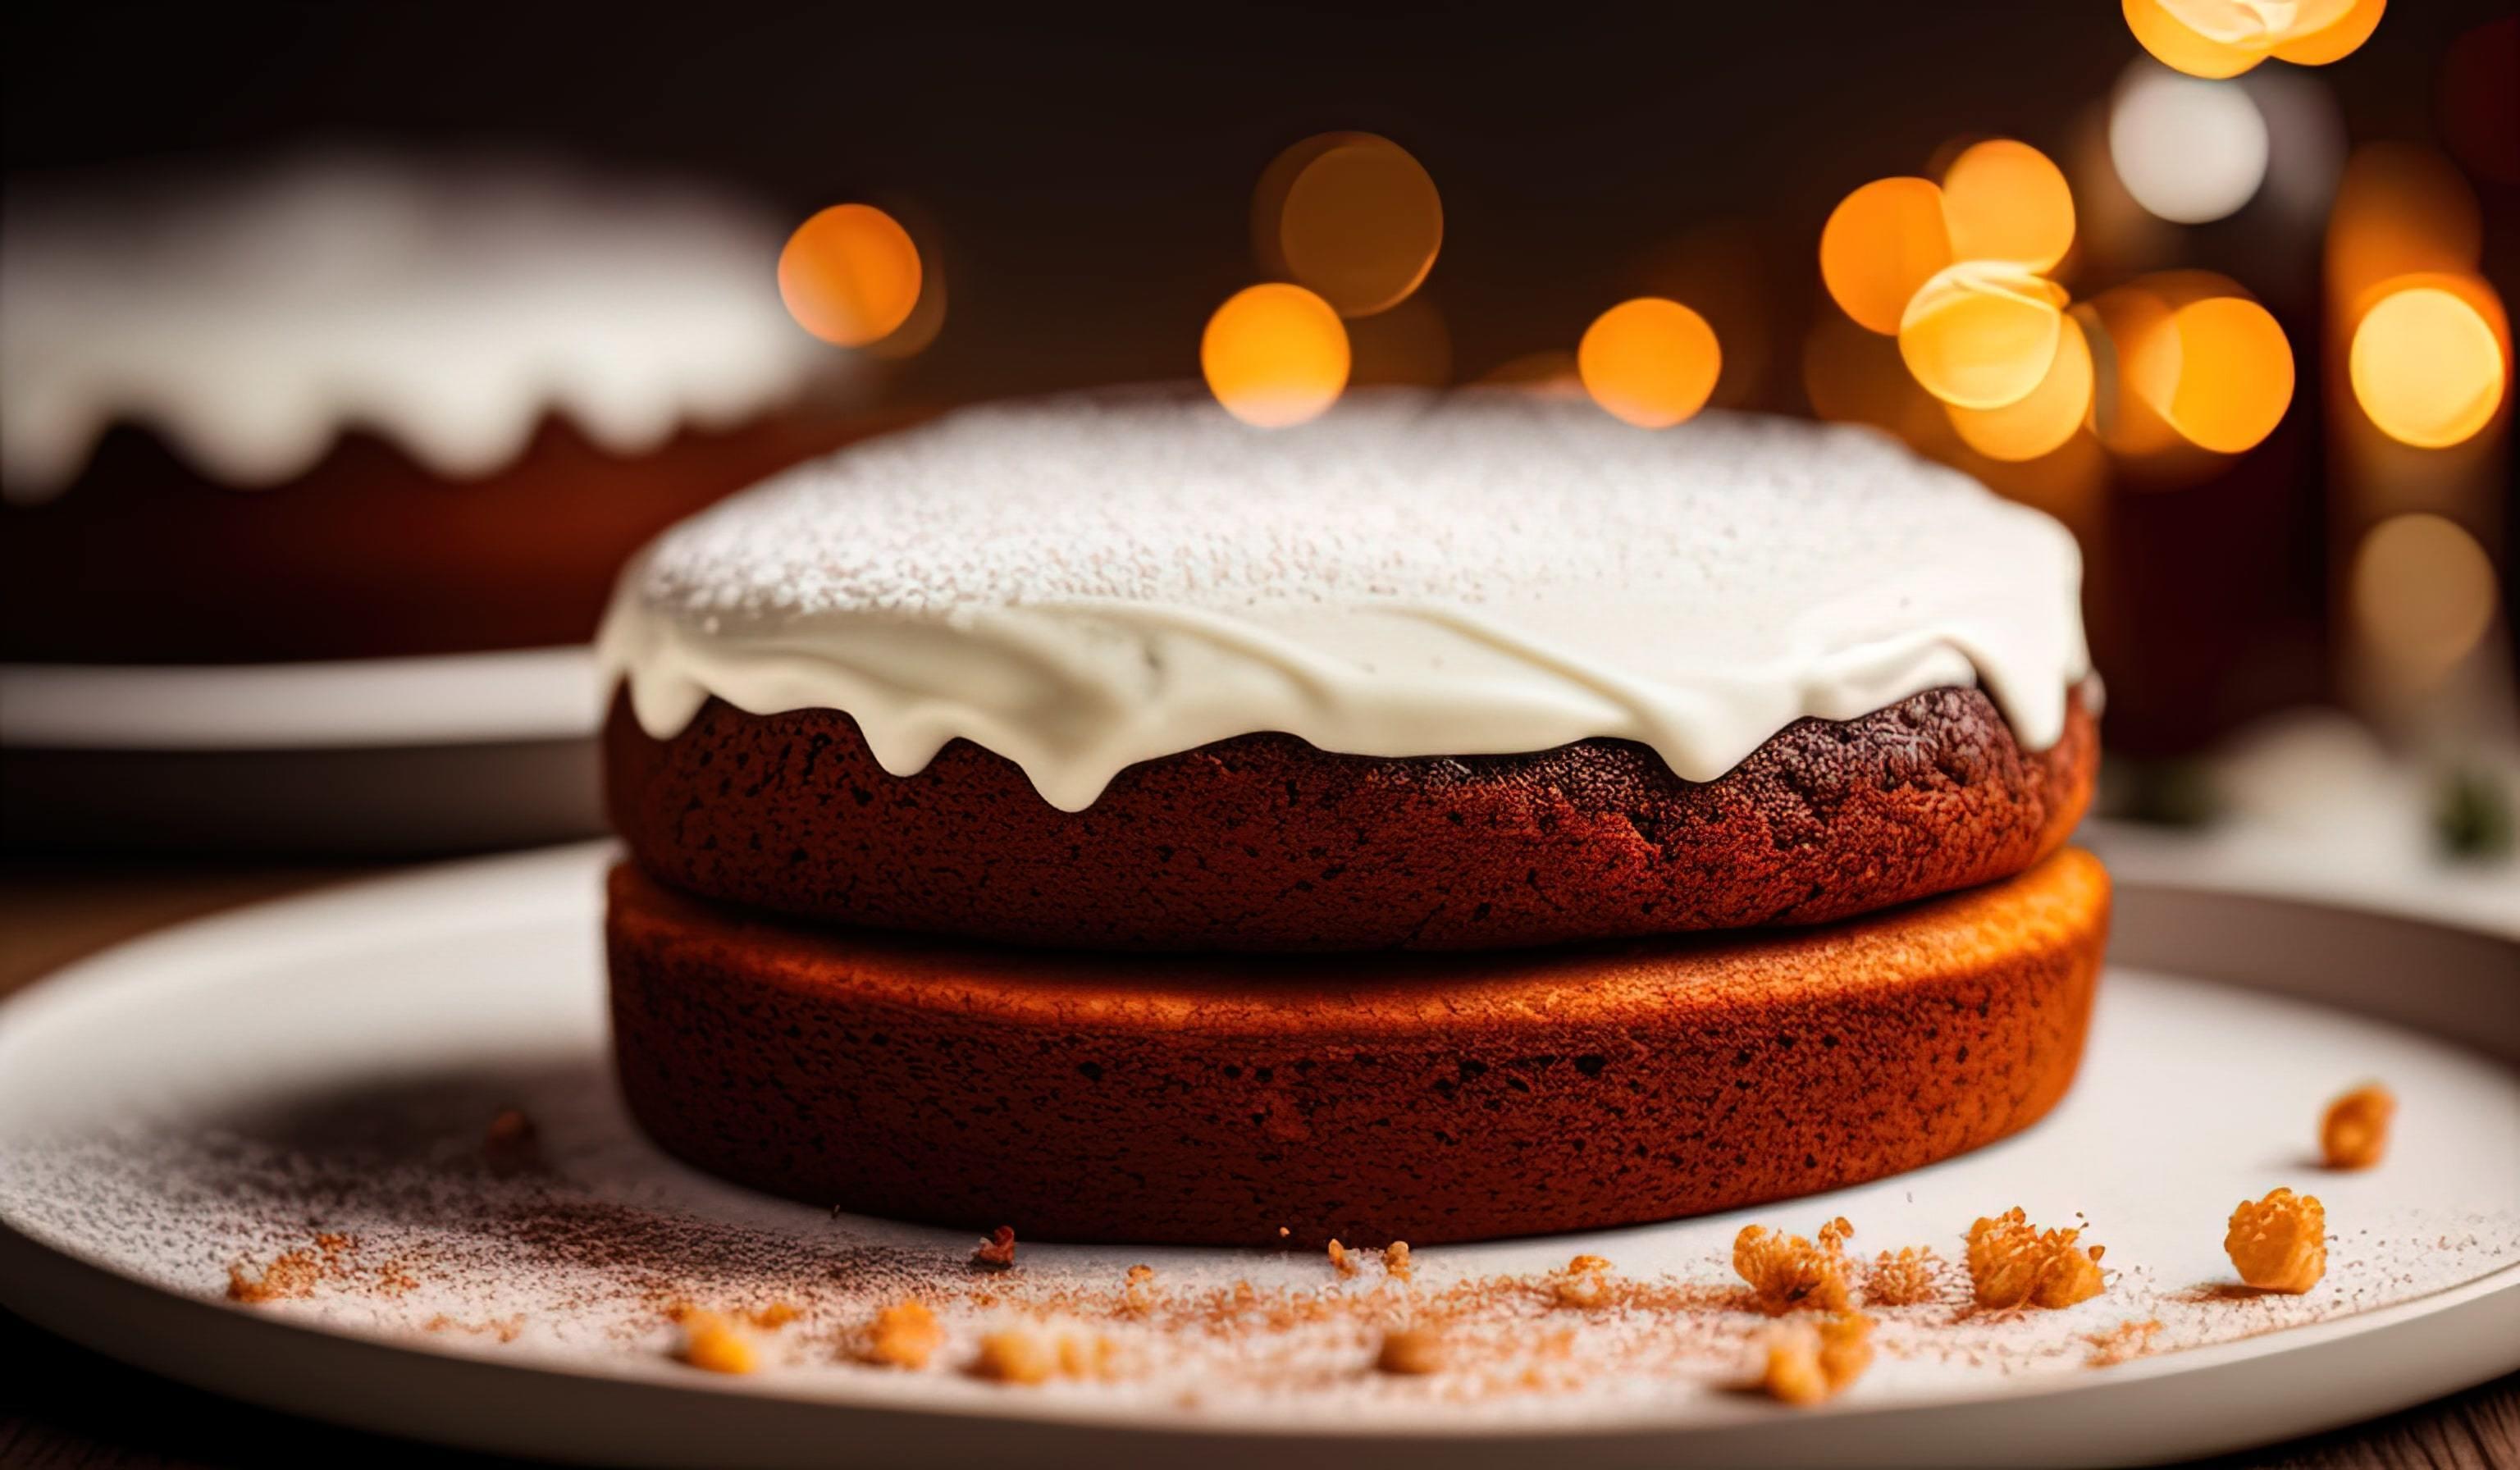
{"points": [[1460, 816]]}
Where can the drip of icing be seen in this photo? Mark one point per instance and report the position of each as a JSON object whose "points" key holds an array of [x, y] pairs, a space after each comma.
{"points": [[250, 320], [1080, 584]]}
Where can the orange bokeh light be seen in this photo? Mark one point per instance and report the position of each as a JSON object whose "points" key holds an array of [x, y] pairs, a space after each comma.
{"points": [[2235, 375], [1351, 216], [1274, 355], [850, 275], [2008, 202], [1880, 244], [2220, 38], [2051, 414], [2312, 44], [2428, 365], [1649, 361], [1982, 335]]}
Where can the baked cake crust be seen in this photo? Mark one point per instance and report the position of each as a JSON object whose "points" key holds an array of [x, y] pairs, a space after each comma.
{"points": [[1217, 1100], [1264, 843]]}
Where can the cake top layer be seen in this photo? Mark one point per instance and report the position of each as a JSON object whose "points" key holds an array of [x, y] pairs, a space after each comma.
{"points": [[1079, 583], [251, 318]]}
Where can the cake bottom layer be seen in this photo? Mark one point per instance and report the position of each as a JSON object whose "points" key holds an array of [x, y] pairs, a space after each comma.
{"points": [[1204, 1100]]}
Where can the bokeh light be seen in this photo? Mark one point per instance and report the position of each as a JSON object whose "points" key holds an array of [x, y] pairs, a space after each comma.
{"points": [[2218, 38], [1351, 216], [2234, 373], [2423, 592], [2189, 151], [2311, 43], [2427, 367], [850, 275], [1274, 355], [2051, 414], [2006, 200], [1881, 243], [1982, 333], [1649, 361], [2171, 40]]}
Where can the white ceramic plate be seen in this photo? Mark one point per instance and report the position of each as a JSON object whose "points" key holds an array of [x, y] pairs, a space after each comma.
{"points": [[368, 756], [307, 1083]]}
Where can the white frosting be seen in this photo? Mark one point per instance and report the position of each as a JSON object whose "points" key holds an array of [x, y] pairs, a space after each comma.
{"points": [[1083, 583], [250, 320]]}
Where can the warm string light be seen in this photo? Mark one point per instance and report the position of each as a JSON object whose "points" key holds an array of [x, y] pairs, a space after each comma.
{"points": [[2428, 363], [2188, 151], [2220, 38], [1650, 362], [850, 275], [1350, 216], [1274, 355]]}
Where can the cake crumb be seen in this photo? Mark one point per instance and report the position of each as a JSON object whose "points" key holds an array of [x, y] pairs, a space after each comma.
{"points": [[1585, 1283], [1409, 1352], [2012, 1263], [2354, 1131], [2279, 1243], [1807, 1365], [1138, 1296], [998, 1252], [1342, 1258], [1903, 1278], [1395, 1260], [1014, 1356], [1787, 1272], [904, 1335], [771, 1317], [711, 1342], [2127, 1340]]}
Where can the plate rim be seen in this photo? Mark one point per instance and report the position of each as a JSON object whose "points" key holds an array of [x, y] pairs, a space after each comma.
{"points": [[486, 696]]}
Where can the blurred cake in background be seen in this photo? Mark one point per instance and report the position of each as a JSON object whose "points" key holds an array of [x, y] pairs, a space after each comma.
{"points": [[344, 406]]}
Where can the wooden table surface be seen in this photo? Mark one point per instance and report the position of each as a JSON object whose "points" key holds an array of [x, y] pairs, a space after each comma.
{"points": [[61, 1405]]}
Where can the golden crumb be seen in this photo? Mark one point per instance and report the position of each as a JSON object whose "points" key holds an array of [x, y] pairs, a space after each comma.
{"points": [[1787, 1272], [998, 1252], [2355, 1133], [1410, 1352], [1342, 1258], [2012, 1263], [2279, 1243], [1284, 1233], [1014, 1356], [771, 1317], [711, 1342], [2121, 1343], [1137, 1297], [1585, 1283], [1395, 1260], [1806, 1364], [904, 1335], [291, 1274], [1903, 1278], [1792, 1372]]}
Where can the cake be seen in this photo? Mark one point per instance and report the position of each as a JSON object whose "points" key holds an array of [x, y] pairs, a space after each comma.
{"points": [[1463, 815], [344, 406]]}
